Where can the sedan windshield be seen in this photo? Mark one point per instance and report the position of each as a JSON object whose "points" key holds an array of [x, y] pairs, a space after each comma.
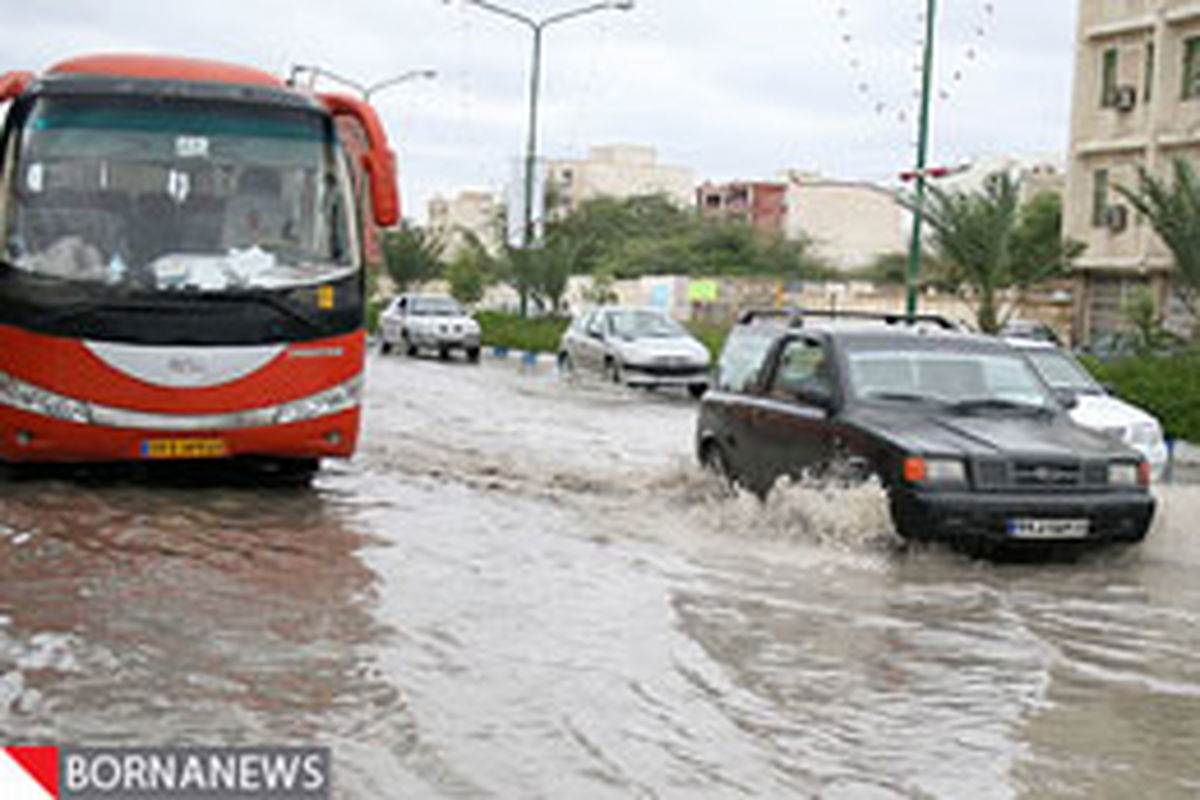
{"points": [[175, 194], [435, 307], [644, 324], [1063, 372], [946, 377]]}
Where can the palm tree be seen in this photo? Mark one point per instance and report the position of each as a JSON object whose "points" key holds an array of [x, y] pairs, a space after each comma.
{"points": [[1173, 208], [412, 254], [987, 242]]}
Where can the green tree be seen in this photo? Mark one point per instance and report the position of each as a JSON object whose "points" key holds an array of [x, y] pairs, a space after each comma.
{"points": [[411, 255], [1173, 208], [986, 243]]}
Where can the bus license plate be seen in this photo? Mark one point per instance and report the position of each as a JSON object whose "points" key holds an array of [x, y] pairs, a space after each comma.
{"points": [[1048, 528], [184, 448]]}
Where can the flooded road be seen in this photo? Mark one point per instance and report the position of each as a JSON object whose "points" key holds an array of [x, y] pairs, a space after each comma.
{"points": [[523, 589]]}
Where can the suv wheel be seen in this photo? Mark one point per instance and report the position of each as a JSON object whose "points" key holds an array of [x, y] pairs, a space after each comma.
{"points": [[697, 390], [473, 355], [716, 463], [410, 349], [385, 346]]}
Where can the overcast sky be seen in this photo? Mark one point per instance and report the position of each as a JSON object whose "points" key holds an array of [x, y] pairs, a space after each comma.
{"points": [[731, 89]]}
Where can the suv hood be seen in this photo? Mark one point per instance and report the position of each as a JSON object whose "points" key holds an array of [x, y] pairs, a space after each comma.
{"points": [[984, 434]]}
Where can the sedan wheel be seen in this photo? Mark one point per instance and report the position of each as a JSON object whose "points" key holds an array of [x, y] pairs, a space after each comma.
{"points": [[612, 371]]}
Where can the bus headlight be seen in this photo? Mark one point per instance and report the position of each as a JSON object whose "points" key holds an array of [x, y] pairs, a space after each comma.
{"points": [[331, 401], [23, 396]]}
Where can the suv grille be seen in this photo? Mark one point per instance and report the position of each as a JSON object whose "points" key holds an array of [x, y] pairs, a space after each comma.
{"points": [[1040, 473], [994, 475]]}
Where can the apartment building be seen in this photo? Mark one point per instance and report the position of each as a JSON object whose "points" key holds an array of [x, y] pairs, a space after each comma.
{"points": [[1136, 104], [470, 212], [618, 170], [759, 204]]}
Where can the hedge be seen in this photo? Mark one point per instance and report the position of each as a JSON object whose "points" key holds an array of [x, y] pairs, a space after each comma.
{"points": [[1168, 386], [533, 334]]}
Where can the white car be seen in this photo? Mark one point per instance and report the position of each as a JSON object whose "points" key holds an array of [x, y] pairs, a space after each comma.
{"points": [[636, 347], [430, 321], [1094, 406]]}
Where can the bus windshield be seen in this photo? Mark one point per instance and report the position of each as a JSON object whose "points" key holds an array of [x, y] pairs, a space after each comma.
{"points": [[175, 194]]}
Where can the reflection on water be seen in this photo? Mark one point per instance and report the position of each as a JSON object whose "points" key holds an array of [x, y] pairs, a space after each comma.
{"points": [[149, 614], [521, 589]]}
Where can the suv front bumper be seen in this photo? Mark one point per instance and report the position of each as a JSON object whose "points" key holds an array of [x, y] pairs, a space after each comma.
{"points": [[1111, 516]]}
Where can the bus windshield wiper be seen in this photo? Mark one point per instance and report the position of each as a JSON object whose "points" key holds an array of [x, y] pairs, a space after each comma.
{"points": [[269, 299]]}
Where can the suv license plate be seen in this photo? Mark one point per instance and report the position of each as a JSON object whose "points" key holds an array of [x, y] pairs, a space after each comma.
{"points": [[1048, 528]]}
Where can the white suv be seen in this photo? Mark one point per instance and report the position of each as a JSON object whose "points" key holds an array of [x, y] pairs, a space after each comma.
{"points": [[1094, 406], [431, 321]]}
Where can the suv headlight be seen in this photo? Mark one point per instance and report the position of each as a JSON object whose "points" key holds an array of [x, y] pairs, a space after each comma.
{"points": [[1128, 476], [943, 471], [33, 399]]}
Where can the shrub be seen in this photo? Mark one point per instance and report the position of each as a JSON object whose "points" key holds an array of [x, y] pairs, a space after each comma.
{"points": [[535, 334]]}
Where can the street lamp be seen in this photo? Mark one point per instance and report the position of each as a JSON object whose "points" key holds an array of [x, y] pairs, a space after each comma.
{"points": [[537, 26], [366, 90]]}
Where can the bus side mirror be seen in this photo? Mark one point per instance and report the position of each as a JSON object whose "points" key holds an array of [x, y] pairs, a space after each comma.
{"points": [[371, 154], [12, 84]]}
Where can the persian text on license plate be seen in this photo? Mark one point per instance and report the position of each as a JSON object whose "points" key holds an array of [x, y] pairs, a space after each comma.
{"points": [[184, 448], [1048, 528]]}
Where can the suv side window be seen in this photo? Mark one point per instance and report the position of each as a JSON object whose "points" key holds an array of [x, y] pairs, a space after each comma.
{"points": [[742, 358], [803, 366]]}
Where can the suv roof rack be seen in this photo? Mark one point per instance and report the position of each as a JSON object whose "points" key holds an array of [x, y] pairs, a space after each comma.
{"points": [[795, 317]]}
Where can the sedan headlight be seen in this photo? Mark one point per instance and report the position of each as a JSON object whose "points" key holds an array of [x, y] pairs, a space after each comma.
{"points": [[942, 471], [26, 397]]}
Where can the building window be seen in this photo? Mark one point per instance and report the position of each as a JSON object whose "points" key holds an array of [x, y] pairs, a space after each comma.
{"points": [[1108, 78], [1148, 88], [1191, 68], [1099, 198]]}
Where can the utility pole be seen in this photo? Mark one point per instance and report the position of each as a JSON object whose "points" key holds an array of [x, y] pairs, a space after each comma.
{"points": [[914, 247]]}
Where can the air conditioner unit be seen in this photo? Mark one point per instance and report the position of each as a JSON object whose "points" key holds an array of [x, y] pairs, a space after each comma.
{"points": [[1124, 98], [1116, 218]]}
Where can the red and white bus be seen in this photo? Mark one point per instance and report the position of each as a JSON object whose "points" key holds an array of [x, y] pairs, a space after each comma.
{"points": [[181, 270]]}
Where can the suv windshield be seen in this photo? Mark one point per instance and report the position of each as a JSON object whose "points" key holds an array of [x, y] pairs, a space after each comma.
{"points": [[946, 377], [434, 306], [1062, 372], [643, 324], [177, 194]]}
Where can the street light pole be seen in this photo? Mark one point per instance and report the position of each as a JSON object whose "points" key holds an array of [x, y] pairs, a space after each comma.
{"points": [[364, 90], [537, 27], [914, 248]]}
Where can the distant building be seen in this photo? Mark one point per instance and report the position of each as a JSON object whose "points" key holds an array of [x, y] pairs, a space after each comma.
{"points": [[1136, 104], [849, 223], [619, 170], [470, 212], [760, 204], [1037, 174]]}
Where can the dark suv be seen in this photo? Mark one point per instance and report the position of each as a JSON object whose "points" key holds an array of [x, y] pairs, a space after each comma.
{"points": [[967, 440]]}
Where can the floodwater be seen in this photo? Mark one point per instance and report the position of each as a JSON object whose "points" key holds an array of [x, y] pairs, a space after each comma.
{"points": [[524, 589]]}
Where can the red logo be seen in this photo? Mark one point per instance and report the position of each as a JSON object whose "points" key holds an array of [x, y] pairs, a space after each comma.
{"points": [[29, 773]]}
